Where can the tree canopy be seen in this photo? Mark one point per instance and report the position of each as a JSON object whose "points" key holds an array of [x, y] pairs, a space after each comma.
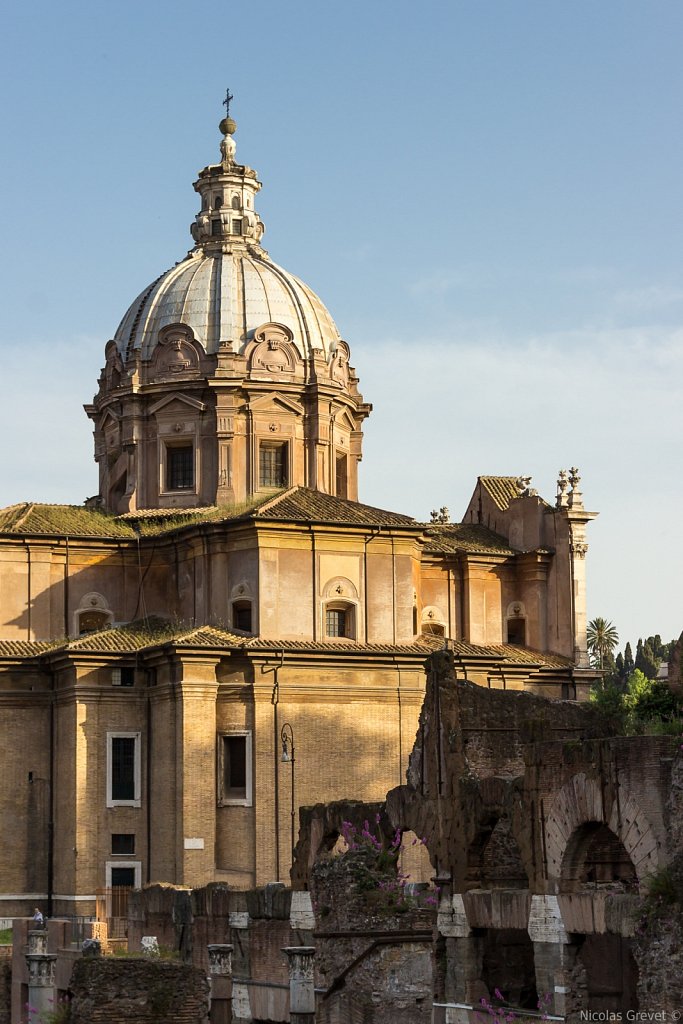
{"points": [[602, 638]]}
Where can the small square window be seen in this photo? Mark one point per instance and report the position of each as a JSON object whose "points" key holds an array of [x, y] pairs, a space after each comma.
{"points": [[237, 226], [122, 843], [123, 878], [123, 676], [216, 228], [180, 468]]}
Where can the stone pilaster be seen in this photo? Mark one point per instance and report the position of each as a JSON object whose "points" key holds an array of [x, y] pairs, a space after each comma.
{"points": [[41, 974], [196, 746], [220, 979], [554, 955], [301, 984]]}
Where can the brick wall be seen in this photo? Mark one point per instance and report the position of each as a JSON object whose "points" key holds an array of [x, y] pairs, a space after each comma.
{"points": [[120, 991]]}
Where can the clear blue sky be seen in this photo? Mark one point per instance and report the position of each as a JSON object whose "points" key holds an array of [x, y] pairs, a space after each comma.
{"points": [[487, 195]]}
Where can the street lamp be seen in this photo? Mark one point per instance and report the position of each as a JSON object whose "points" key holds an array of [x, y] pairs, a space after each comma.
{"points": [[287, 737]]}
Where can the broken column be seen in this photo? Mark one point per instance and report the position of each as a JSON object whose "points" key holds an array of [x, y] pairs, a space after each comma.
{"points": [[41, 974], [220, 979], [301, 984], [554, 954]]}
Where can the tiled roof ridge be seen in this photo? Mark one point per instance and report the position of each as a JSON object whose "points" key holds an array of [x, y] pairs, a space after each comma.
{"points": [[501, 488], [26, 648], [13, 513], [341, 505], [272, 500], [163, 513], [144, 634], [465, 536], [187, 636]]}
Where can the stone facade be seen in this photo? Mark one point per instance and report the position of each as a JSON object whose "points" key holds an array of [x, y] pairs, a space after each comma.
{"points": [[226, 585]]}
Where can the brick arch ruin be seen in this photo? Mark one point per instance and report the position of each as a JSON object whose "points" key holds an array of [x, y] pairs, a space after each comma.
{"points": [[580, 808], [494, 857]]}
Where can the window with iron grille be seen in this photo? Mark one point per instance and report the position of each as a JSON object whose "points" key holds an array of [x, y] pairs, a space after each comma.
{"points": [[180, 468], [273, 465]]}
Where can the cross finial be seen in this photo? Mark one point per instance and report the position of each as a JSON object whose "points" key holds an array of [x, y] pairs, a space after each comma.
{"points": [[226, 102]]}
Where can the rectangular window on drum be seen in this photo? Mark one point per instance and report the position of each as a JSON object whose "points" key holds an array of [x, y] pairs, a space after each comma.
{"points": [[180, 468], [273, 465]]}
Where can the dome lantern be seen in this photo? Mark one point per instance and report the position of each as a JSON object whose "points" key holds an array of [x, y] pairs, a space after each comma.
{"points": [[228, 190]]}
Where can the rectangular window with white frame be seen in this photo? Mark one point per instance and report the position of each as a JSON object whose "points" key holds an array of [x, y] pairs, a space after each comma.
{"points": [[123, 769], [234, 769]]}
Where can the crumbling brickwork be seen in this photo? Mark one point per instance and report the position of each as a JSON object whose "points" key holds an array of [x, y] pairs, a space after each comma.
{"points": [[543, 827], [109, 990]]}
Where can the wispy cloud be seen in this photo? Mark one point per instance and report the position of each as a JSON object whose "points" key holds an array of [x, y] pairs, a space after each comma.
{"points": [[649, 298]]}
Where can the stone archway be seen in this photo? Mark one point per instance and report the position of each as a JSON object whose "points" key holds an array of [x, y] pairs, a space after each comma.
{"points": [[494, 857], [579, 803], [594, 857]]}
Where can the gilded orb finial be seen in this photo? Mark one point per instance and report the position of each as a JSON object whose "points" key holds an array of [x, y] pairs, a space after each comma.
{"points": [[228, 125]]}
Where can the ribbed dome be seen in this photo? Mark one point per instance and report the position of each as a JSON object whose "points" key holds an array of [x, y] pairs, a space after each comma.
{"points": [[225, 297]]}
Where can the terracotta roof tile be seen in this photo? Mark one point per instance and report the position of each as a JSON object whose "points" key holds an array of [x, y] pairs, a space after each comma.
{"points": [[24, 648], [503, 489], [452, 537], [138, 636], [302, 504], [61, 521], [298, 504]]}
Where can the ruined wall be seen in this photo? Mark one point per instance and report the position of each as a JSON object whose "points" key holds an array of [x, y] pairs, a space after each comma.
{"points": [[545, 830], [658, 947], [373, 959], [118, 991], [5, 986]]}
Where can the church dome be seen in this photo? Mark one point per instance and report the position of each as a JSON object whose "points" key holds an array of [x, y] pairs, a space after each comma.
{"points": [[227, 286], [227, 378], [225, 296]]}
